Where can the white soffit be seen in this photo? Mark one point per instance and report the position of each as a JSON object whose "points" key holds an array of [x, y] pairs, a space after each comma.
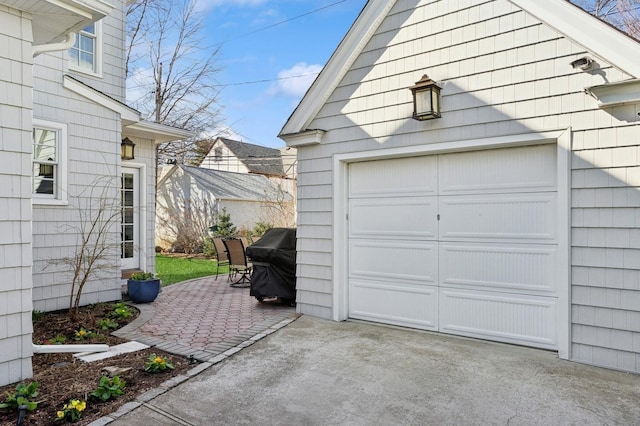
{"points": [[308, 137], [158, 132], [612, 94], [343, 57], [52, 20], [596, 36]]}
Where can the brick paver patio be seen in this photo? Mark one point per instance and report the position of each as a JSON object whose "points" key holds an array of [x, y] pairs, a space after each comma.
{"points": [[204, 317]]}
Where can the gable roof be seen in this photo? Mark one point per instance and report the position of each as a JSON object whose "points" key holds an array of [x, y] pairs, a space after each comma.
{"points": [[132, 123], [593, 34], [233, 186], [258, 159]]}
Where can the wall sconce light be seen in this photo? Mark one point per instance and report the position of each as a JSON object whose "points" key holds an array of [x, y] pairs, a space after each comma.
{"points": [[126, 149], [46, 170], [426, 99]]}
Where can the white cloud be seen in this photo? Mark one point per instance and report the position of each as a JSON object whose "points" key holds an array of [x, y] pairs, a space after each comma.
{"points": [[296, 80]]}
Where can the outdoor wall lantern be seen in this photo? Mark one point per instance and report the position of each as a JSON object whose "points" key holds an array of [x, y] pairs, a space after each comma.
{"points": [[126, 149], [426, 99]]}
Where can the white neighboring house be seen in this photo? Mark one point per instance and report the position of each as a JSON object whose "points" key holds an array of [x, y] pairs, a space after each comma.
{"points": [[514, 217], [229, 155], [62, 120], [190, 197]]}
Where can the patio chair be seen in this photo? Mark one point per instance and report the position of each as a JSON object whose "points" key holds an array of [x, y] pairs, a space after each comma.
{"points": [[220, 254], [238, 263]]}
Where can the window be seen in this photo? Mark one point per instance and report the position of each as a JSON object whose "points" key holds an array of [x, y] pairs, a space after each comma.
{"points": [[217, 154], [85, 55], [48, 159]]}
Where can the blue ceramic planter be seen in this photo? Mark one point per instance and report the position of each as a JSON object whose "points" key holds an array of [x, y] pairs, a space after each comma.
{"points": [[143, 291]]}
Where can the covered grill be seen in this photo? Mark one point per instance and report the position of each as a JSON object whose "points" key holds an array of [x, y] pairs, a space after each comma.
{"points": [[274, 265]]}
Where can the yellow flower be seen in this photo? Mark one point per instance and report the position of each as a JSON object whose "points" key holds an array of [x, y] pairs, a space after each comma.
{"points": [[60, 414], [81, 406], [158, 360]]}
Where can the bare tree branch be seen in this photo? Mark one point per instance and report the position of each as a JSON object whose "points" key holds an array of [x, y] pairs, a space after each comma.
{"points": [[174, 76]]}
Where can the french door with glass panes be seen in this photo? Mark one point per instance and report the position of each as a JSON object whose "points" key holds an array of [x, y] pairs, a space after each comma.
{"points": [[130, 232]]}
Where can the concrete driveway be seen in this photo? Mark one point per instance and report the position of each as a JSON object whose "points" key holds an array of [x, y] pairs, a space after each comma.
{"points": [[317, 372]]}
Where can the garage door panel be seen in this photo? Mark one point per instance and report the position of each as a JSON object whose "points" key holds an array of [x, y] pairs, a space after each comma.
{"points": [[408, 218], [463, 243], [414, 176], [526, 320], [529, 218], [405, 305], [522, 169], [514, 268], [403, 262]]}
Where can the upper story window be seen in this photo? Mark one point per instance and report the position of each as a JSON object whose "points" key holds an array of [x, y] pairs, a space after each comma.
{"points": [[86, 53], [217, 154], [49, 162]]}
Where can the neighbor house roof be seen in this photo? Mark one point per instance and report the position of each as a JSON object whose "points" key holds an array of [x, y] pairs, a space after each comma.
{"points": [[594, 35], [258, 159], [234, 186]]}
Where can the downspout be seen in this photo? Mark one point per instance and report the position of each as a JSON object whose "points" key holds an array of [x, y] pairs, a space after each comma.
{"points": [[48, 349], [68, 43]]}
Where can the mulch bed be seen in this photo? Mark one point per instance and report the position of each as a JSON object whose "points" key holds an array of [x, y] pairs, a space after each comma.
{"points": [[61, 377]]}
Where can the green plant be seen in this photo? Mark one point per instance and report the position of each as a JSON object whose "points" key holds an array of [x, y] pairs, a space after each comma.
{"points": [[156, 364], [142, 276], [223, 226], [71, 411], [121, 311], [37, 315], [57, 340], [261, 227], [23, 395], [208, 248], [108, 323], [83, 334], [109, 388]]}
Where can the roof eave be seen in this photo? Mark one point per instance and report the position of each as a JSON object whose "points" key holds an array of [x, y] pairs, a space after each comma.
{"points": [[160, 133], [351, 45], [610, 44]]}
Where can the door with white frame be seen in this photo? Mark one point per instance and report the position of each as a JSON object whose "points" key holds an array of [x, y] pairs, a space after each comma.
{"points": [[130, 221]]}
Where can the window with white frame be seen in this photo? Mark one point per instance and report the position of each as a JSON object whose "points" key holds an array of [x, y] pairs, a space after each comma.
{"points": [[86, 53], [217, 154], [49, 162]]}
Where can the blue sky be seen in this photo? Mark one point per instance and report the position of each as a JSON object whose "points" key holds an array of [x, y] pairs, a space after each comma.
{"points": [[268, 41]]}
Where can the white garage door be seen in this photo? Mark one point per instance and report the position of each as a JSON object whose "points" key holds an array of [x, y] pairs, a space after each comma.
{"points": [[462, 243]]}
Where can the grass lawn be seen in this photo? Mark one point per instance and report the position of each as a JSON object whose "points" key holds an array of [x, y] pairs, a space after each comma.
{"points": [[173, 270]]}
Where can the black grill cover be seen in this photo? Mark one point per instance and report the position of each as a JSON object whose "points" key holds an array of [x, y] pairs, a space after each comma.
{"points": [[274, 264]]}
